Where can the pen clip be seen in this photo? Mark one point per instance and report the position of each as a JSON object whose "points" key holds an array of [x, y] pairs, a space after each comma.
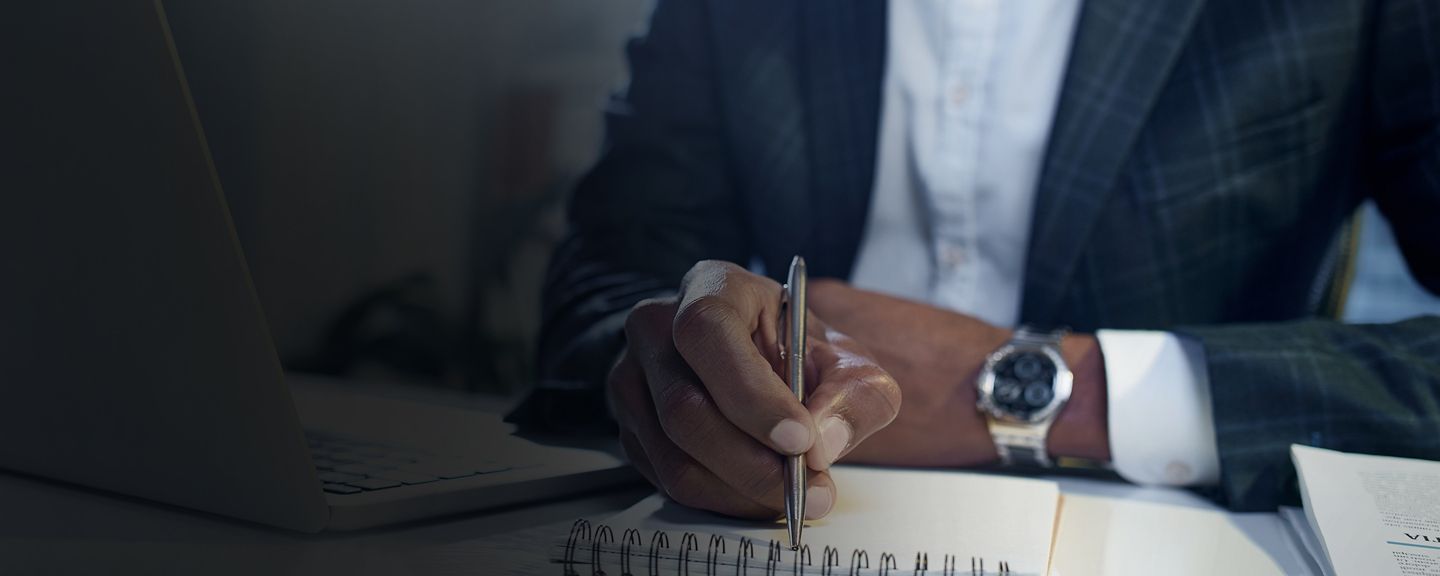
{"points": [[783, 328]]}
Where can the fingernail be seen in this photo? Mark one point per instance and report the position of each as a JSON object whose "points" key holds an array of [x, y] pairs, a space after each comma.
{"points": [[790, 437], [818, 501], [835, 434]]}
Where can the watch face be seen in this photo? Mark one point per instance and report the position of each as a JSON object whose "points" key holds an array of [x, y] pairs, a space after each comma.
{"points": [[1024, 383]]}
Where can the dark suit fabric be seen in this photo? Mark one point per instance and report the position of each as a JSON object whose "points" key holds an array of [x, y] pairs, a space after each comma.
{"points": [[1204, 156]]}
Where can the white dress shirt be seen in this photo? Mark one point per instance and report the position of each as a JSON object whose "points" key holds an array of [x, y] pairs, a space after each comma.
{"points": [[970, 91]]}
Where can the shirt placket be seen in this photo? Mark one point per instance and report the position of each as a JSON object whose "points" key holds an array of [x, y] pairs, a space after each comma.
{"points": [[965, 69]]}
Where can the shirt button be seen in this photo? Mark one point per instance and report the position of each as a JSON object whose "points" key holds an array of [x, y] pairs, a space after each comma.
{"points": [[952, 256], [1179, 473], [958, 94]]}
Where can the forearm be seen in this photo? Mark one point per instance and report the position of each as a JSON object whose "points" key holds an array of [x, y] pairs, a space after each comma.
{"points": [[585, 302], [659, 199], [1361, 388], [586, 297]]}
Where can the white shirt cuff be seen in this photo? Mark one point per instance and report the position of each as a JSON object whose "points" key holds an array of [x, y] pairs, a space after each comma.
{"points": [[1161, 428]]}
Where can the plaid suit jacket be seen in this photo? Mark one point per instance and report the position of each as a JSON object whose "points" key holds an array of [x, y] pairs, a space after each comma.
{"points": [[1203, 157]]}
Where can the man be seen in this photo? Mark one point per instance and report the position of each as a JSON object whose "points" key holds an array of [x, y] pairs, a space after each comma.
{"points": [[1166, 178]]}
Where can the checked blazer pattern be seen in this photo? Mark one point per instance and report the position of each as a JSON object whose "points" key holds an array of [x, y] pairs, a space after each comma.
{"points": [[1204, 157]]}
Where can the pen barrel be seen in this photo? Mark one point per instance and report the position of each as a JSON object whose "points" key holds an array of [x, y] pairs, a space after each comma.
{"points": [[794, 356], [795, 329]]}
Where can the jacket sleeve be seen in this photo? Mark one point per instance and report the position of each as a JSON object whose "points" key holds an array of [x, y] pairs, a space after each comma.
{"points": [[1360, 388], [660, 198]]}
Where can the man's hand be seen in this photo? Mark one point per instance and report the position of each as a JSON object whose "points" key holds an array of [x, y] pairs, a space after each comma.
{"points": [[704, 415], [935, 355]]}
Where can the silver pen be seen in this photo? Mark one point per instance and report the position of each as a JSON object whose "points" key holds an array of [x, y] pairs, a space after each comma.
{"points": [[792, 352]]}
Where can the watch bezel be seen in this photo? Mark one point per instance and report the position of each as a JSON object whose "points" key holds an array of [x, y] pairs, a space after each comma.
{"points": [[1063, 382]]}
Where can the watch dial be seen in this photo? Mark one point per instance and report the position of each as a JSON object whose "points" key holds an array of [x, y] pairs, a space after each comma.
{"points": [[1007, 390], [1037, 395], [1024, 383], [1027, 367]]}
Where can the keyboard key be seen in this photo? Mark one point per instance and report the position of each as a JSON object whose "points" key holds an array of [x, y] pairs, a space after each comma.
{"points": [[340, 489], [374, 466], [362, 469], [406, 477], [374, 483], [339, 477], [440, 468], [450, 473], [393, 461]]}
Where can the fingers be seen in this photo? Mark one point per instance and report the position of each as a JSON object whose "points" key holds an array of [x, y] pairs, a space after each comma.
{"points": [[722, 307], [696, 487], [820, 494], [635, 453], [677, 437], [660, 461], [855, 397], [690, 419]]}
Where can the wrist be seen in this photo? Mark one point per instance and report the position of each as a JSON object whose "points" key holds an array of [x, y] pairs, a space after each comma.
{"points": [[1081, 428]]}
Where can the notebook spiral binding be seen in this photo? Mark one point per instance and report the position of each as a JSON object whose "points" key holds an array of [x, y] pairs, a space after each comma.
{"points": [[589, 550]]}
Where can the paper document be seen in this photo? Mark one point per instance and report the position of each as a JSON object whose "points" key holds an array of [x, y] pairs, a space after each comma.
{"points": [[902, 512], [1304, 536], [1374, 514], [1124, 537]]}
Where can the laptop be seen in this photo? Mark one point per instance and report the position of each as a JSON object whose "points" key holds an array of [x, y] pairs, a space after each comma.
{"points": [[134, 353]]}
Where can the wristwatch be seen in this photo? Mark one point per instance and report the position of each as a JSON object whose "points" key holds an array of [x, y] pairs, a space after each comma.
{"points": [[1023, 385]]}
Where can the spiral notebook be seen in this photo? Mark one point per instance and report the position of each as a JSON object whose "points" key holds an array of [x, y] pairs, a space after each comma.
{"points": [[884, 522]]}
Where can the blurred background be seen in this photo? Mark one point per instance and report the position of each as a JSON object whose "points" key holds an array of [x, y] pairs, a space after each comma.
{"points": [[397, 171]]}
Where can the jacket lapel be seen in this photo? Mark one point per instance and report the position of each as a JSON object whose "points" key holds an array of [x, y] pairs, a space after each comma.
{"points": [[1122, 55], [843, 51]]}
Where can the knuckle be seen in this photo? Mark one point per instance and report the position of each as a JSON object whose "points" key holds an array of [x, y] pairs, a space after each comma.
{"points": [[646, 315], [702, 317], [713, 267], [682, 411], [840, 340], [708, 274], [618, 385], [624, 374]]}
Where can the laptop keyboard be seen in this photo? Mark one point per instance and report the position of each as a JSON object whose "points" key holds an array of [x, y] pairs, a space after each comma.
{"points": [[351, 466]]}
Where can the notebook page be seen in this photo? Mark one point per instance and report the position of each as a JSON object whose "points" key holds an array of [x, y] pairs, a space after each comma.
{"points": [[901, 512], [1102, 536]]}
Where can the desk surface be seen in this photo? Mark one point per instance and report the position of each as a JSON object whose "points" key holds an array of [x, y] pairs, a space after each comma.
{"points": [[49, 528]]}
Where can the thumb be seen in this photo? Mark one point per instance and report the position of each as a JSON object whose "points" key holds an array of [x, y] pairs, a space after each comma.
{"points": [[855, 397]]}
